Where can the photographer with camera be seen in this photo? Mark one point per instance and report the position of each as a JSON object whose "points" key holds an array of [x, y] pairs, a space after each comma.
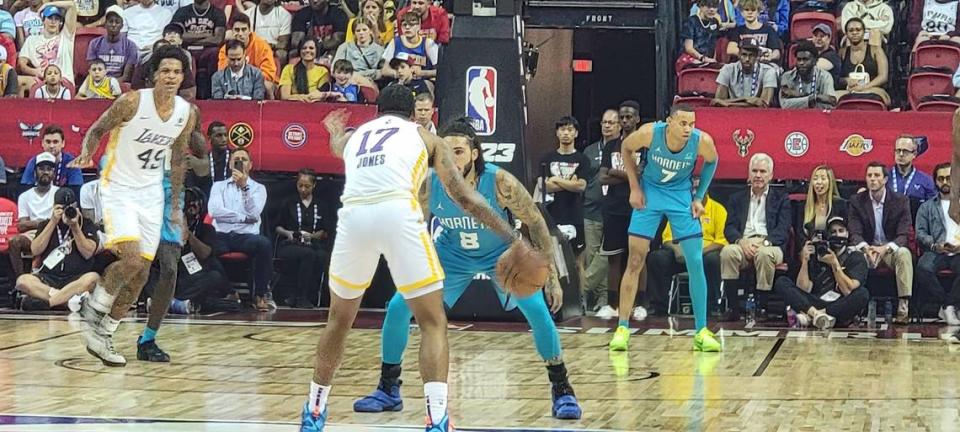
{"points": [[829, 289], [66, 244], [303, 231]]}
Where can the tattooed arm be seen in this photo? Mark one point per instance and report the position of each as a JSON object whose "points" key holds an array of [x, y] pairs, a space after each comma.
{"points": [[119, 113], [178, 164], [336, 124], [467, 197], [424, 197], [512, 195]]}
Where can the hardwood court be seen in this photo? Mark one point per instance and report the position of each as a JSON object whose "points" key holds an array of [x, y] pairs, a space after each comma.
{"points": [[232, 371]]}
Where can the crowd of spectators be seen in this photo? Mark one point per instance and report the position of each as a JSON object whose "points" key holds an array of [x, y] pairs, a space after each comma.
{"points": [[863, 48]]}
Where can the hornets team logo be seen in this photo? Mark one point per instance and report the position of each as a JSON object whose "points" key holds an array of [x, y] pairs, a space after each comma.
{"points": [[240, 135], [481, 99]]}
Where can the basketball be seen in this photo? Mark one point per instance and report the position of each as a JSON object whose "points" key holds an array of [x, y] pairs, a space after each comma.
{"points": [[522, 270]]}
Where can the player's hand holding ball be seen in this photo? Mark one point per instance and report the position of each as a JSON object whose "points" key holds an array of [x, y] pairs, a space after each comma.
{"points": [[522, 270]]}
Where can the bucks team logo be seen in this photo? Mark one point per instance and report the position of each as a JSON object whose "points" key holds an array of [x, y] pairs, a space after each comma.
{"points": [[743, 141], [481, 99]]}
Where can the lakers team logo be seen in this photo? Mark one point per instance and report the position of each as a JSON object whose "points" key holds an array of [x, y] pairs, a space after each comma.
{"points": [[856, 145], [240, 135], [295, 135], [743, 141], [796, 144]]}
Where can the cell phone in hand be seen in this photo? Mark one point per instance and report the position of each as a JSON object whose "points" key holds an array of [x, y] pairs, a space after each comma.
{"points": [[238, 165]]}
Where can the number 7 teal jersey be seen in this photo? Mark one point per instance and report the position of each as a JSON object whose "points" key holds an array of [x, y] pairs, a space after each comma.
{"points": [[461, 233], [666, 169]]}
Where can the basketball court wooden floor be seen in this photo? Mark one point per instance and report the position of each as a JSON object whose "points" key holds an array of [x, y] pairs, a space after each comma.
{"points": [[251, 374]]}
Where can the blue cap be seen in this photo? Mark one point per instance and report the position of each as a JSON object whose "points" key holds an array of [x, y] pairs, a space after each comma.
{"points": [[50, 11]]}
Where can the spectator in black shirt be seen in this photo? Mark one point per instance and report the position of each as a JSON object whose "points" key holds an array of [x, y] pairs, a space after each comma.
{"points": [[303, 239], [765, 35], [204, 28], [699, 35], [566, 173], [829, 60], [66, 243], [829, 289], [322, 22], [213, 168]]}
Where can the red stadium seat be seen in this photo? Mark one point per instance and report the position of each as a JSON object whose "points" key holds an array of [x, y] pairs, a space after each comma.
{"points": [[939, 55], [700, 81], [922, 84], [721, 54], [694, 101], [937, 106], [860, 104], [802, 24], [80, 44], [791, 60]]}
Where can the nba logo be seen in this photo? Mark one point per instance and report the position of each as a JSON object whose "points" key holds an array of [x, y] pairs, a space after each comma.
{"points": [[482, 99]]}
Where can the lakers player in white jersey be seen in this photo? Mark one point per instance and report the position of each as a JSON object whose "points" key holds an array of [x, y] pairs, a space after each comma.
{"points": [[386, 161], [149, 130]]}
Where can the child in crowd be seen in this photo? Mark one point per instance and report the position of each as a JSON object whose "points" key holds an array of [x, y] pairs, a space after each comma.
{"points": [[343, 88], [98, 85], [405, 75], [52, 87]]}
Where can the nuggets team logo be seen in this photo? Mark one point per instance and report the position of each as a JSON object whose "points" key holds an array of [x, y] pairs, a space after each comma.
{"points": [[240, 135], [481, 99], [856, 145], [30, 131], [295, 135], [796, 144], [743, 141]]}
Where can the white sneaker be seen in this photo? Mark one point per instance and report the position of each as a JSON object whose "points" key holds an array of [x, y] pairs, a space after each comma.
{"points": [[74, 303], [949, 314], [823, 321], [101, 346], [639, 313], [803, 320], [607, 312]]}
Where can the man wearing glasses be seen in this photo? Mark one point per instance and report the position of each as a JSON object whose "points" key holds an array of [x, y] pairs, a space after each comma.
{"points": [[905, 178]]}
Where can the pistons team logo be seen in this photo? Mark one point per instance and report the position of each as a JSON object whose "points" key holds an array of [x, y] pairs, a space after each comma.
{"points": [[240, 135], [295, 135], [482, 99]]}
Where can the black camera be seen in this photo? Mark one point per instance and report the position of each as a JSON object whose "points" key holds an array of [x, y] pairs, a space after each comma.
{"points": [[70, 212], [822, 247]]}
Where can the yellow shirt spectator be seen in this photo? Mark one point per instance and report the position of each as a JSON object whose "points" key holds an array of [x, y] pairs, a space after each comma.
{"points": [[713, 219], [385, 36], [316, 77]]}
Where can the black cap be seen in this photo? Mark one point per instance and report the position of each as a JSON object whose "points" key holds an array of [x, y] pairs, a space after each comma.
{"points": [[836, 220], [750, 44], [64, 197]]}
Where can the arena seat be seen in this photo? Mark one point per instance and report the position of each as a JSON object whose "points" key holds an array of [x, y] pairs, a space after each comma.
{"points": [[860, 104], [922, 84], [698, 81], [802, 24], [936, 54], [694, 101], [937, 106], [64, 82]]}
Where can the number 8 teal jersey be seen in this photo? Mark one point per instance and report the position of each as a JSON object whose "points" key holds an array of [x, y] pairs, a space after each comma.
{"points": [[461, 233], [666, 169]]}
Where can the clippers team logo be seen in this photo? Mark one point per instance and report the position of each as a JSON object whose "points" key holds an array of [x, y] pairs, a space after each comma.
{"points": [[743, 141], [295, 135], [482, 99], [29, 131], [240, 135], [796, 144], [856, 145]]}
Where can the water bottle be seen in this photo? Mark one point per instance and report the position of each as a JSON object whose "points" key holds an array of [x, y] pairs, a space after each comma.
{"points": [[751, 309], [872, 314], [791, 318]]}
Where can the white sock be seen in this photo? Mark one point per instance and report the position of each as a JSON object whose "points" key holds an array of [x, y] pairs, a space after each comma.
{"points": [[318, 397], [109, 324], [436, 395], [101, 301]]}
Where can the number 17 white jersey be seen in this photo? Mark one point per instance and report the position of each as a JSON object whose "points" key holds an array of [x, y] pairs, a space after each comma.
{"points": [[384, 159], [139, 150]]}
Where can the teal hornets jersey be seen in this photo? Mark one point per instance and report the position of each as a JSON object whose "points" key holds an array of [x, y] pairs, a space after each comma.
{"points": [[461, 233], [666, 169]]}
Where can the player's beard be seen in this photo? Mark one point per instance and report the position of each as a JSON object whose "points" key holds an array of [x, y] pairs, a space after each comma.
{"points": [[467, 170]]}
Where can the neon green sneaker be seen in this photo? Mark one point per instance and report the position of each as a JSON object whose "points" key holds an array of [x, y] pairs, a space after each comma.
{"points": [[620, 339], [704, 341]]}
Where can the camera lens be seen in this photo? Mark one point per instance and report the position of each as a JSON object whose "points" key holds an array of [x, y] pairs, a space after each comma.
{"points": [[70, 212]]}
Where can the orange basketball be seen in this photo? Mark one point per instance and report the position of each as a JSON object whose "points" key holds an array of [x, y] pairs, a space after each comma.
{"points": [[522, 270]]}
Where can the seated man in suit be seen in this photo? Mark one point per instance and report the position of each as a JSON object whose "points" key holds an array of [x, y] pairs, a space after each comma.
{"points": [[758, 224], [884, 242]]}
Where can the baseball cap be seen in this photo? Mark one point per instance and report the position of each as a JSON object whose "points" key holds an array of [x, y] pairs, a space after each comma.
{"points": [[46, 157], [836, 220], [750, 44], [50, 11], [116, 10], [826, 29], [64, 197]]}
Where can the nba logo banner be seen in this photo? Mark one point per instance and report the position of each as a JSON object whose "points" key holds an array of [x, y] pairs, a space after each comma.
{"points": [[481, 99]]}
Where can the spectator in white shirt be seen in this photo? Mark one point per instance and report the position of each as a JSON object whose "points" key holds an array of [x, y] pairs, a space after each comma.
{"points": [[34, 207], [53, 46], [235, 206], [272, 23], [144, 23]]}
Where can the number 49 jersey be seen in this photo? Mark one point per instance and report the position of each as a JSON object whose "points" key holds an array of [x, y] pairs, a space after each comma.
{"points": [[666, 169], [384, 159], [462, 234], [138, 152]]}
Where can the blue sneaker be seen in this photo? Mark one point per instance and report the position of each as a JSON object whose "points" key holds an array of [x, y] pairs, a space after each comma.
{"points": [[444, 426], [312, 422], [380, 400], [566, 407]]}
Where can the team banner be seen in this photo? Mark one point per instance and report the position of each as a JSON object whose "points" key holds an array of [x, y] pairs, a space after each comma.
{"points": [[281, 136]]}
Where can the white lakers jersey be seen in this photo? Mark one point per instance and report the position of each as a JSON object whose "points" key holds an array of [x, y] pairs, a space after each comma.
{"points": [[385, 159], [139, 150]]}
